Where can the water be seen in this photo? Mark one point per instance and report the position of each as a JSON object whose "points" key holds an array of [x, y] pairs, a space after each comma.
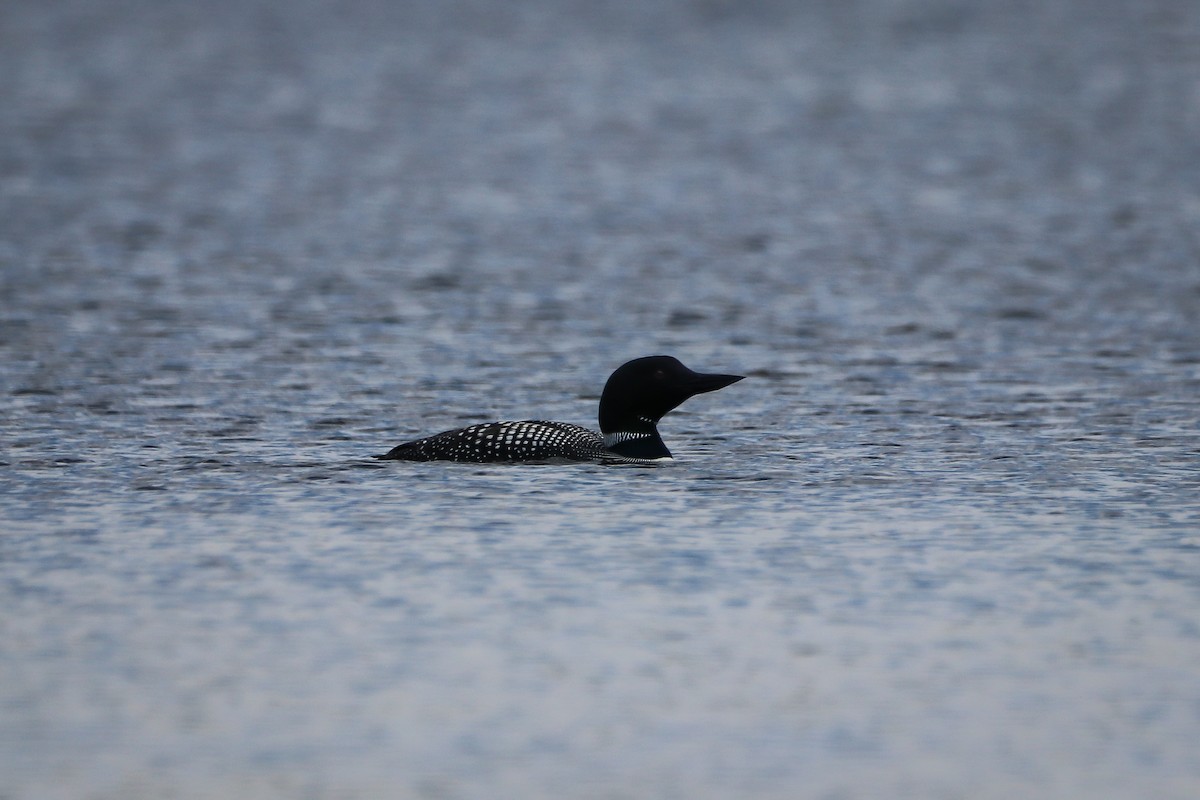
{"points": [[944, 541]]}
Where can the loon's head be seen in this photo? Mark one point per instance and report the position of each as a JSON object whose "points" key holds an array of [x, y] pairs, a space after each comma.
{"points": [[640, 393]]}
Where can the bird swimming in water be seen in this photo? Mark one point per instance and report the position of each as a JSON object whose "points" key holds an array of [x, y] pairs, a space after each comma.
{"points": [[635, 398]]}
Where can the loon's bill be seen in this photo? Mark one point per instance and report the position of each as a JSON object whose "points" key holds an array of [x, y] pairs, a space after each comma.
{"points": [[635, 398]]}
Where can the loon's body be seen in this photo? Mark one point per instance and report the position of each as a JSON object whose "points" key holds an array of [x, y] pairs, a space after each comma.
{"points": [[635, 398], [528, 440]]}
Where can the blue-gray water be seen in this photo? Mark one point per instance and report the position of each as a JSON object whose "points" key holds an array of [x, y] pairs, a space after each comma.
{"points": [[943, 543]]}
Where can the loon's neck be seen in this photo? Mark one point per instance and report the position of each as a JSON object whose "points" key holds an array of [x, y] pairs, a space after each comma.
{"points": [[639, 440]]}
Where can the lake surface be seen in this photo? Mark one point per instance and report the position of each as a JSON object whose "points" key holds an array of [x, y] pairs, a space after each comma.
{"points": [[943, 542]]}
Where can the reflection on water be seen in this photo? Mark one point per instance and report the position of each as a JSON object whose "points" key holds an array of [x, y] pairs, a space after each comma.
{"points": [[941, 543]]}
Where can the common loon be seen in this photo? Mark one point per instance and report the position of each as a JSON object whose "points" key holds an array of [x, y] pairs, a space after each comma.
{"points": [[635, 398]]}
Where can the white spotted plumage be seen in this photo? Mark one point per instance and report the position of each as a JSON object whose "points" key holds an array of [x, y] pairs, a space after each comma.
{"points": [[524, 440]]}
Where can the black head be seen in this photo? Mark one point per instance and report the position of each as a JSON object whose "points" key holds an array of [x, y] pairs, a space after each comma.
{"points": [[642, 391]]}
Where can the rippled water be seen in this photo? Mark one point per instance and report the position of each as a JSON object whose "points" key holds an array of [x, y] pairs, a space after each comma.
{"points": [[944, 541]]}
